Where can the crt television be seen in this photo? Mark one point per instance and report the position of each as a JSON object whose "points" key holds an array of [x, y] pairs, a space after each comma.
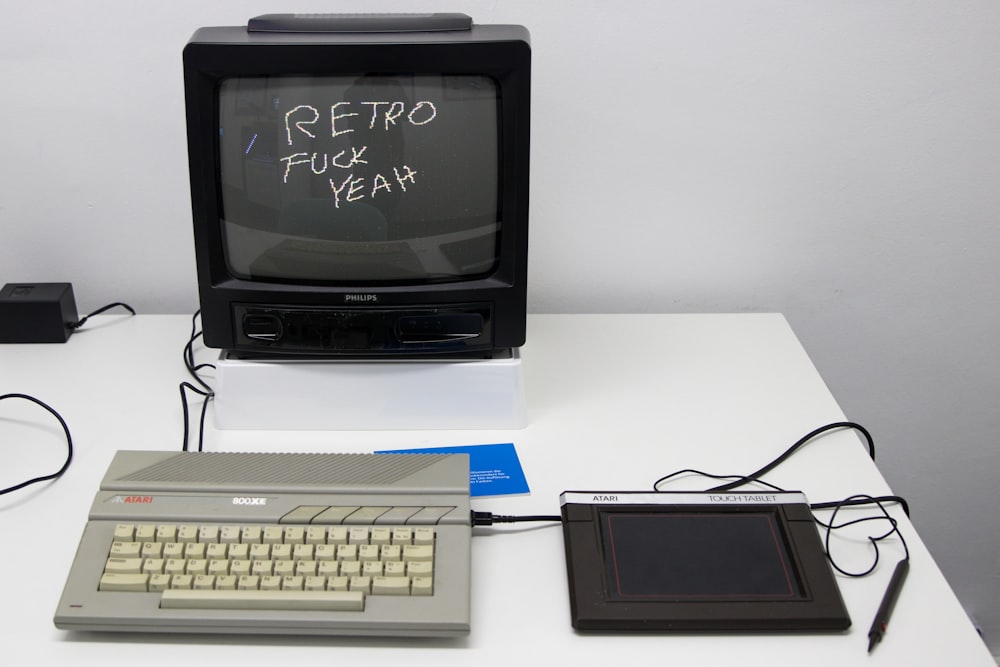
{"points": [[359, 185]]}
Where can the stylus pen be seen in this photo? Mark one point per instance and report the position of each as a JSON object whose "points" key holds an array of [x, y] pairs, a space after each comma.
{"points": [[888, 602]]}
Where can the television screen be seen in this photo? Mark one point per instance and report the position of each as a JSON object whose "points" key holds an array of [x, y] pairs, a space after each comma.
{"points": [[366, 178]]}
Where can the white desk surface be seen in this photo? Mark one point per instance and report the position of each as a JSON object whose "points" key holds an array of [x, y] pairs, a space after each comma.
{"points": [[614, 402]]}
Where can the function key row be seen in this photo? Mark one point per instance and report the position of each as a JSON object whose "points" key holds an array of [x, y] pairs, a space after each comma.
{"points": [[361, 515]]}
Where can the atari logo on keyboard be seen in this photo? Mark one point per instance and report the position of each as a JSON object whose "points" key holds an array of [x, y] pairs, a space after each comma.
{"points": [[130, 500]]}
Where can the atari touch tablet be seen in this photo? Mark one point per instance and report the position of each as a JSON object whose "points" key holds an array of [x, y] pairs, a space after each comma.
{"points": [[684, 561]]}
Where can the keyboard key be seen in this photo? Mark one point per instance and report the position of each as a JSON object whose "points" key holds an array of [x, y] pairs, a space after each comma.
{"points": [[152, 550], [159, 582], [327, 568], [187, 534], [380, 535], [208, 534], [174, 566], [419, 552], [153, 565], [316, 535], [283, 568], [360, 583], [252, 535], [365, 515], [124, 532], [396, 515], [166, 533], [229, 534], [390, 586], [123, 582], [218, 567], [260, 552], [216, 551], [123, 565], [422, 586], [368, 552], [394, 569], [350, 568], [145, 533], [325, 552], [430, 515], [173, 550], [302, 514], [333, 515], [357, 535], [240, 567], [194, 550], [276, 599], [420, 568], [126, 549], [239, 552]]}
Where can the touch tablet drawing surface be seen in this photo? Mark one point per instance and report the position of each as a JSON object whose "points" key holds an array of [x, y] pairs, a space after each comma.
{"points": [[684, 561]]}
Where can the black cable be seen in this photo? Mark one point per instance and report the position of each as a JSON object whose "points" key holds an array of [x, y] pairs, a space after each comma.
{"points": [[184, 408], [101, 310], [488, 518], [701, 473], [205, 390], [857, 501], [752, 477], [69, 445], [189, 355], [885, 516]]}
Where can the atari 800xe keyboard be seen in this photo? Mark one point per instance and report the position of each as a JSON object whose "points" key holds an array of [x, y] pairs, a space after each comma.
{"points": [[349, 544]]}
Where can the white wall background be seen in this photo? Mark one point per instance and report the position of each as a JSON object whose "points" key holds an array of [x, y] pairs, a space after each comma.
{"points": [[834, 160]]}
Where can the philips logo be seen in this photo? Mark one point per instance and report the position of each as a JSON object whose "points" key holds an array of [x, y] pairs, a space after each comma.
{"points": [[244, 500], [361, 298]]}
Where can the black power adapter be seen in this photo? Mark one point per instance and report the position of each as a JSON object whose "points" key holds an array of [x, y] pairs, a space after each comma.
{"points": [[37, 312]]}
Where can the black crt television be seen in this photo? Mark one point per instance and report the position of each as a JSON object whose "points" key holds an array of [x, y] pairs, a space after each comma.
{"points": [[359, 185]]}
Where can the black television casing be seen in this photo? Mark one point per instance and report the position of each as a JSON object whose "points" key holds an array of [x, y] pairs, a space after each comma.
{"points": [[476, 316]]}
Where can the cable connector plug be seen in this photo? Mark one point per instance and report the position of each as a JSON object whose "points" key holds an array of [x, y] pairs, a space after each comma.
{"points": [[488, 518]]}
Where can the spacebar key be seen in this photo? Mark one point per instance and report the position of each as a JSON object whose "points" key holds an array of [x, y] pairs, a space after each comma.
{"points": [[251, 599]]}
